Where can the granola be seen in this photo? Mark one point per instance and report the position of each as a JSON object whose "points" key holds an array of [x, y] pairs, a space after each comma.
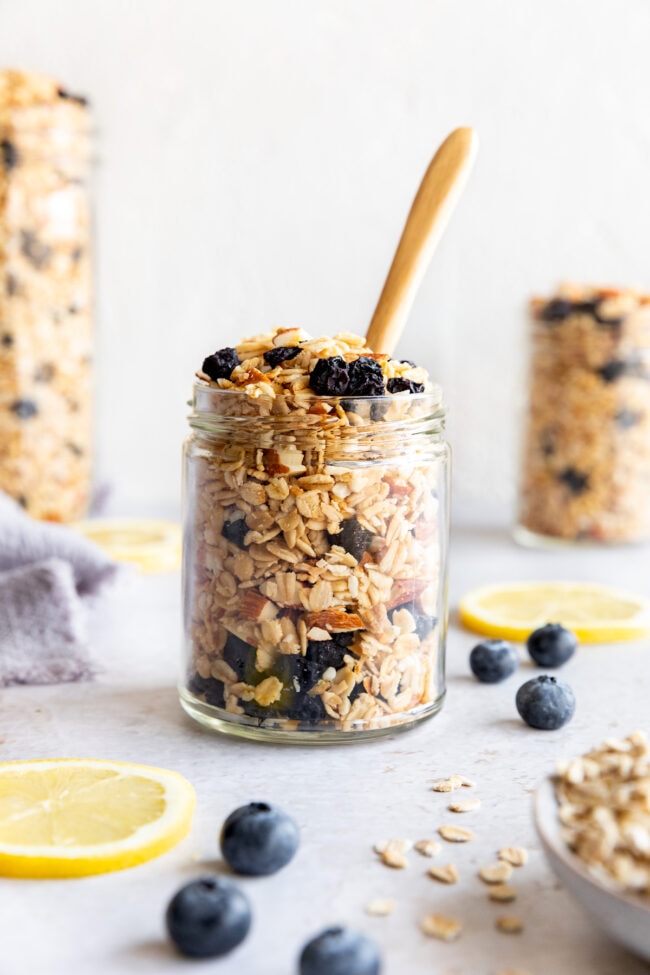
{"points": [[586, 453], [45, 297], [315, 536]]}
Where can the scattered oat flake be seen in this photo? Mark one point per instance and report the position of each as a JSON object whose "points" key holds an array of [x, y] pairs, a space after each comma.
{"points": [[509, 924], [380, 907], [446, 875], [428, 848], [455, 834], [392, 853], [466, 805], [515, 855], [502, 892], [440, 926], [452, 783], [496, 873]]}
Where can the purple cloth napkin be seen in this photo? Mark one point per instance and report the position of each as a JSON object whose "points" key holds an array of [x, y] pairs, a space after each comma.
{"points": [[47, 572]]}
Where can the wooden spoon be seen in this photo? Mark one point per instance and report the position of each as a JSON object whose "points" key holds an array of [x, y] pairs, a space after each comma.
{"points": [[432, 208]]}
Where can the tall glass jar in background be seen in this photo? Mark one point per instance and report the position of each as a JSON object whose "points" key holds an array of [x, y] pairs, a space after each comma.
{"points": [[586, 453], [45, 297], [315, 565]]}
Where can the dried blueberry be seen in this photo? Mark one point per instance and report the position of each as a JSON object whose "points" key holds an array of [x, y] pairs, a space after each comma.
{"points": [[325, 653], [24, 408], [612, 370], [330, 377], [235, 531], [38, 253], [353, 538], [628, 418], [7, 340], [208, 917], [556, 310], [308, 709], [258, 839], [400, 385], [574, 480], [214, 690], [221, 364], [9, 154], [366, 378], [340, 951], [239, 655], [281, 354]]}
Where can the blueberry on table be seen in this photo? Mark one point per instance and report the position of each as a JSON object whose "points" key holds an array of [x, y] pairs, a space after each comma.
{"points": [[551, 645], [353, 538], [258, 839], [400, 385], [208, 917], [366, 378], [221, 364], [280, 354], [545, 703], [493, 660], [330, 377], [340, 951]]}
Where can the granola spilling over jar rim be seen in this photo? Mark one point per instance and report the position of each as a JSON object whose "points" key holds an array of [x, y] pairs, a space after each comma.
{"points": [[586, 452], [45, 296], [316, 484]]}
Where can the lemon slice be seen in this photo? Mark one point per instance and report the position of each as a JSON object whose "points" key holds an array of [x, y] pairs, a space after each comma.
{"points": [[595, 613], [73, 817], [152, 546]]}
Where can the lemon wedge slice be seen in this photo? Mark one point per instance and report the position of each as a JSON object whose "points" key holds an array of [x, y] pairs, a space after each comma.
{"points": [[595, 613], [151, 545], [74, 817]]}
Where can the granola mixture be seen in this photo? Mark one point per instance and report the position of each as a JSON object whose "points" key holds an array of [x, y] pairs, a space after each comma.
{"points": [[586, 453], [45, 297], [604, 808], [315, 536]]}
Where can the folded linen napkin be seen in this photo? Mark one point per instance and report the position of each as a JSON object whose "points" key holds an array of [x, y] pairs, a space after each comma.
{"points": [[46, 574]]}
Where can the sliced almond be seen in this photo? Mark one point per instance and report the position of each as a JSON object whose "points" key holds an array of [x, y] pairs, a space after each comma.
{"points": [[502, 893], [456, 834], [509, 924], [496, 873], [446, 875], [428, 848], [440, 926], [516, 855], [334, 621], [466, 805], [380, 907], [254, 606]]}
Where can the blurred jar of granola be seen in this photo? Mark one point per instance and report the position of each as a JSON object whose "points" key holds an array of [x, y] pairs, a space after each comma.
{"points": [[585, 473], [315, 564], [45, 297]]}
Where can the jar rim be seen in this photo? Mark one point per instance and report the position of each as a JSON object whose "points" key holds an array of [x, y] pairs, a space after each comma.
{"points": [[433, 394]]}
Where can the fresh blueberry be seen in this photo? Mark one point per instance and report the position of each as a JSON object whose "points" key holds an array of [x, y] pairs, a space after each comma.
{"points": [[545, 703], [493, 660], [208, 917], [221, 364], [366, 378], [258, 839], [353, 537], [340, 951], [281, 353], [551, 645], [330, 377], [399, 385]]}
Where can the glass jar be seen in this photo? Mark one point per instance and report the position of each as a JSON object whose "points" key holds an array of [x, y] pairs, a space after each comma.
{"points": [[586, 452], [314, 564], [45, 297]]}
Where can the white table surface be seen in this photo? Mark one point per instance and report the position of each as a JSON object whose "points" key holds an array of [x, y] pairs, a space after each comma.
{"points": [[345, 798]]}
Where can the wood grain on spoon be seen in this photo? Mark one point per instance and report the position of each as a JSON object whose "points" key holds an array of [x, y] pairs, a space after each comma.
{"points": [[432, 207]]}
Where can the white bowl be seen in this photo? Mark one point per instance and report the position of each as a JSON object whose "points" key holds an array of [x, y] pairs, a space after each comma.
{"points": [[624, 917]]}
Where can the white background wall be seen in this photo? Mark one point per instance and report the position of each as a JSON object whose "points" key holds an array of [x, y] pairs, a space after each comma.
{"points": [[258, 158]]}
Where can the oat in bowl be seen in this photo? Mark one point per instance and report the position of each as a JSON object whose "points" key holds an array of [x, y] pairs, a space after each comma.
{"points": [[593, 818], [316, 486]]}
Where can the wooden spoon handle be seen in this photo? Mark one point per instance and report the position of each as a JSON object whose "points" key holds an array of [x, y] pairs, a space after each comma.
{"points": [[432, 207]]}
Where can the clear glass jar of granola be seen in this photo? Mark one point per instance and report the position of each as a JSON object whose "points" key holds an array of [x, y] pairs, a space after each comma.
{"points": [[585, 473], [45, 297], [315, 560]]}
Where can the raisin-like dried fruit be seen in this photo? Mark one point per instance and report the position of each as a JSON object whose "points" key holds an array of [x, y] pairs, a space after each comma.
{"points": [[400, 385], [576, 482], [7, 340], [330, 377], [9, 154], [235, 531], [353, 538], [239, 655], [280, 354], [325, 653], [366, 378], [221, 364], [24, 408]]}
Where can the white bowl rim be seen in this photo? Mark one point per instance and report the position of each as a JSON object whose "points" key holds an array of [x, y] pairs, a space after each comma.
{"points": [[545, 810]]}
